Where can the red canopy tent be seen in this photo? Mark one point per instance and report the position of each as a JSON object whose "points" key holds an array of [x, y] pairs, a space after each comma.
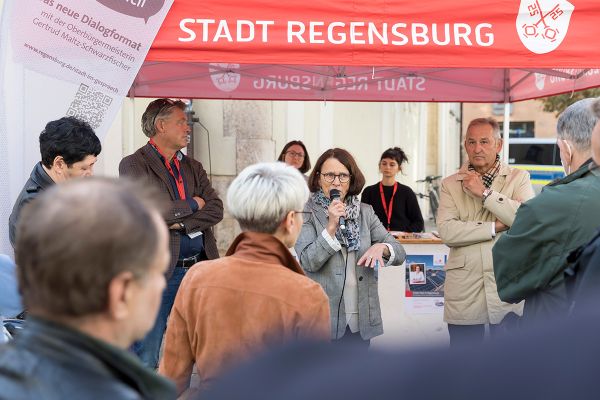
{"points": [[402, 50]]}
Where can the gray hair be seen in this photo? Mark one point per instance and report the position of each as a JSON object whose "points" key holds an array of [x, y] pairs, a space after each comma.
{"points": [[156, 110], [262, 195], [596, 107], [487, 121], [576, 124]]}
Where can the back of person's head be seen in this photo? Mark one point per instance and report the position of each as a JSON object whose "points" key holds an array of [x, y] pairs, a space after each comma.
{"points": [[76, 237], [261, 196], [396, 154], [576, 123], [70, 138], [157, 110], [305, 164]]}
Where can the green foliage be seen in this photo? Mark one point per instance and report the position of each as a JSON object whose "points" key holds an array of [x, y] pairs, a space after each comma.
{"points": [[557, 104]]}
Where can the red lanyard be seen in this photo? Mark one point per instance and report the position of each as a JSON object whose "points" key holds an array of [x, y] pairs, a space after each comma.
{"points": [[388, 209], [178, 178]]}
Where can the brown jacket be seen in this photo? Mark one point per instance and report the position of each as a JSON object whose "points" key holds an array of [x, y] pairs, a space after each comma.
{"points": [[230, 309], [146, 164]]}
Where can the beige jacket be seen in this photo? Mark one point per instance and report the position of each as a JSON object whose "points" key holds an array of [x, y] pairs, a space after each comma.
{"points": [[466, 226]]}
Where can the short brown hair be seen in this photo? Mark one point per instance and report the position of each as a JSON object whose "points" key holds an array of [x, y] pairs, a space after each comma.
{"points": [[159, 108], [357, 179], [306, 164], [77, 236]]}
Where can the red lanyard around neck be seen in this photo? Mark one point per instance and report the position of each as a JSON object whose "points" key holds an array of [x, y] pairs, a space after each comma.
{"points": [[388, 209], [178, 178]]}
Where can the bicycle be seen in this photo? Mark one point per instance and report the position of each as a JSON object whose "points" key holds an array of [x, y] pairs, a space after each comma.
{"points": [[432, 188]]}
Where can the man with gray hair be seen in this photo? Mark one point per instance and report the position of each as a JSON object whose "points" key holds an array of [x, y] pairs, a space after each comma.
{"points": [[194, 206], [477, 204], [229, 309], [530, 259]]}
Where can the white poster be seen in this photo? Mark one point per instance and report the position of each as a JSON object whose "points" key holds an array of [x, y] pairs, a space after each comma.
{"points": [[64, 57]]}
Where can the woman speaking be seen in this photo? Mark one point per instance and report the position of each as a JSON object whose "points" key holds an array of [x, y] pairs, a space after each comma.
{"points": [[342, 245]]}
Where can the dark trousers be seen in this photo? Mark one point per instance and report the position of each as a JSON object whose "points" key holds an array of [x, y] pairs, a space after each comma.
{"points": [[466, 335], [353, 339], [148, 349]]}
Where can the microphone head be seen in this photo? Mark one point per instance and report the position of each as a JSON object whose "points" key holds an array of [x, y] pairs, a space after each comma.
{"points": [[334, 194]]}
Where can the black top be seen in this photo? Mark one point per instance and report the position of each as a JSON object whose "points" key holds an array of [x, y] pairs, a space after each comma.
{"points": [[51, 361], [406, 214], [38, 181]]}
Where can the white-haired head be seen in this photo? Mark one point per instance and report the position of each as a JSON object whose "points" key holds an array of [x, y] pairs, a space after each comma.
{"points": [[261, 196], [576, 124]]}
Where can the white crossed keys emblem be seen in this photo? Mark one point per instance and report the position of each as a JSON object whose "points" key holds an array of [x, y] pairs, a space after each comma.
{"points": [[543, 24]]}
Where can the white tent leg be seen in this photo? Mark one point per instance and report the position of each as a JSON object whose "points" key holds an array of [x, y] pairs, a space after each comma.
{"points": [[505, 133]]}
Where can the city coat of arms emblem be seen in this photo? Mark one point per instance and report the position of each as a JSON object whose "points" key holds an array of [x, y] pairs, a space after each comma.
{"points": [[542, 24], [225, 76]]}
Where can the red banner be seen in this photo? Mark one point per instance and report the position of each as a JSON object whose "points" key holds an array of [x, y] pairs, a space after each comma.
{"points": [[435, 50], [401, 33]]}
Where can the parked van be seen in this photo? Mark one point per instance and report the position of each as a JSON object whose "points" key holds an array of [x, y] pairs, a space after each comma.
{"points": [[540, 157]]}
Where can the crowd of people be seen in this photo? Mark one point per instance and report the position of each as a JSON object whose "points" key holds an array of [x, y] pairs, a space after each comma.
{"points": [[126, 295]]}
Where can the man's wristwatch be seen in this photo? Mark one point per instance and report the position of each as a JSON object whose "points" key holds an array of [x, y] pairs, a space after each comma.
{"points": [[486, 194], [181, 226]]}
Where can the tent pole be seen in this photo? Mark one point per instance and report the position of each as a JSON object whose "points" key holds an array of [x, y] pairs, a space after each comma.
{"points": [[505, 132], [506, 124]]}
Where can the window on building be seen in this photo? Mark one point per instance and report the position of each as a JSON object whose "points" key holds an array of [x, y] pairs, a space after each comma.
{"points": [[520, 129]]}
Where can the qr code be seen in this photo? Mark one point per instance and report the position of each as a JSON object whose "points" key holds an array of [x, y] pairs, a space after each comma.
{"points": [[89, 105]]}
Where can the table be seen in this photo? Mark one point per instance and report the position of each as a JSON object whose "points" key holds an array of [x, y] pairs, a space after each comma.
{"points": [[406, 324]]}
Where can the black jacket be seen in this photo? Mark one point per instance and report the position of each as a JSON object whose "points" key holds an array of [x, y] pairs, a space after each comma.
{"points": [[582, 277], [38, 181], [51, 361]]}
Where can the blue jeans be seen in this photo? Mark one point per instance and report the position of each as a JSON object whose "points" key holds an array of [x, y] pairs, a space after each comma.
{"points": [[148, 349]]}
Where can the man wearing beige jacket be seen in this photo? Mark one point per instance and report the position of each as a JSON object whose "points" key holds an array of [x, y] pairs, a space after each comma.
{"points": [[476, 204]]}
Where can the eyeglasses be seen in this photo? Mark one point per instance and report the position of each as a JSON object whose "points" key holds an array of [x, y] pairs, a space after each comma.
{"points": [[166, 104], [330, 177], [305, 214], [294, 154]]}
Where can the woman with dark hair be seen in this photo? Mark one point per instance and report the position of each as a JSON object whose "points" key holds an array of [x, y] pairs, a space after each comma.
{"points": [[294, 153], [343, 257], [394, 203]]}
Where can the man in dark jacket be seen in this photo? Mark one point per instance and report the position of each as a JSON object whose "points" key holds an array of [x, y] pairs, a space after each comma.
{"points": [[530, 259], [69, 148], [194, 205], [584, 273], [91, 258]]}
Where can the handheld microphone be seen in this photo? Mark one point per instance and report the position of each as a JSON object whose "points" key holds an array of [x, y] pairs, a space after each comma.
{"points": [[333, 195]]}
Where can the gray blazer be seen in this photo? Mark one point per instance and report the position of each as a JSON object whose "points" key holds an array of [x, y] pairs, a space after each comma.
{"points": [[326, 266]]}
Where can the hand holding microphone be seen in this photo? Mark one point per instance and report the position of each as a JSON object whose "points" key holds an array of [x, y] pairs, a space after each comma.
{"points": [[336, 212]]}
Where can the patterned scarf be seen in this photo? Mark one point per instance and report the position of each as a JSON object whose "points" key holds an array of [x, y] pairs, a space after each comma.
{"points": [[352, 222], [491, 174]]}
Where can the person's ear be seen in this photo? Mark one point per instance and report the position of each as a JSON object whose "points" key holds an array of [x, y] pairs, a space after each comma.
{"points": [[565, 150], [120, 295], [499, 143], [59, 163], [159, 126], [290, 222]]}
